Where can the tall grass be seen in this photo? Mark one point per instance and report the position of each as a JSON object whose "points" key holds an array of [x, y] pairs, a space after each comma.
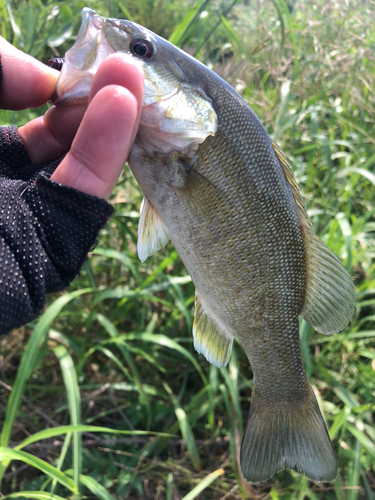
{"points": [[104, 396]]}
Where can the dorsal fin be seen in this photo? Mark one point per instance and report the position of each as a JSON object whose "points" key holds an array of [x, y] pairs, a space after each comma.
{"points": [[330, 297], [289, 177]]}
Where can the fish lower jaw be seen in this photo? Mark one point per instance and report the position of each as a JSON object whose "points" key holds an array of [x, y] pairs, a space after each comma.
{"points": [[69, 92], [69, 101]]}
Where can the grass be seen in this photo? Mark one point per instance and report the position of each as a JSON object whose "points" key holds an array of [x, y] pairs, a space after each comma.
{"points": [[104, 396]]}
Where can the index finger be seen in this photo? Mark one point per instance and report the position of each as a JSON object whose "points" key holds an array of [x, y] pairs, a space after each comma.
{"points": [[26, 82]]}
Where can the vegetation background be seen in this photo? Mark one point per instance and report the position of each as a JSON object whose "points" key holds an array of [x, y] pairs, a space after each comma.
{"points": [[104, 396]]}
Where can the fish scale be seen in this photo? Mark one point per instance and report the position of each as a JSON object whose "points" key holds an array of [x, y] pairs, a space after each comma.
{"points": [[271, 310], [217, 186]]}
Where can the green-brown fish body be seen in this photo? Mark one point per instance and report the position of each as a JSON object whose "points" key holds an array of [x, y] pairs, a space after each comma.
{"points": [[222, 192]]}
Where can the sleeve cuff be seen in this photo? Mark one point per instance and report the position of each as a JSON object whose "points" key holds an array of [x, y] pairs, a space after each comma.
{"points": [[12, 150], [97, 207]]}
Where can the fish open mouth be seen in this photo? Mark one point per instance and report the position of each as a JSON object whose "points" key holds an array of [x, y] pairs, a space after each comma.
{"points": [[82, 61]]}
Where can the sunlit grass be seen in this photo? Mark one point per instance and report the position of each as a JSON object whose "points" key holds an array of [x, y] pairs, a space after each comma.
{"points": [[104, 395]]}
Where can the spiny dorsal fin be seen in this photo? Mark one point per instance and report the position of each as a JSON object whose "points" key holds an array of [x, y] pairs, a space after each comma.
{"points": [[209, 339], [330, 297], [152, 233], [289, 177]]}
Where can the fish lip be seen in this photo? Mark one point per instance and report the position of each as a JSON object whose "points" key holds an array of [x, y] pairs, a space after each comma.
{"points": [[54, 98], [76, 91], [67, 101]]}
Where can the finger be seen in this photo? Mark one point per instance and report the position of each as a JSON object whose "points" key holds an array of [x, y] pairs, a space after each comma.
{"points": [[26, 82], [120, 69], [49, 137], [102, 143]]}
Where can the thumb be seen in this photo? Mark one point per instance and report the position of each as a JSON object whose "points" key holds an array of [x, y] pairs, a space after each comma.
{"points": [[102, 143]]}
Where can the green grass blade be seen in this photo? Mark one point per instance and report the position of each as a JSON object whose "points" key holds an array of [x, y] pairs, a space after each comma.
{"points": [[178, 33], [124, 10], [204, 484], [347, 234], [339, 421], [292, 36], [62, 457], [114, 360], [188, 436], [165, 341], [305, 329], [112, 331], [15, 26], [354, 472], [281, 20], [370, 494], [74, 405], [34, 495], [169, 486], [68, 342], [185, 429], [110, 253], [64, 429], [57, 40], [363, 439], [232, 35], [37, 463], [365, 173], [168, 261], [96, 488], [124, 293], [227, 392], [28, 363]]}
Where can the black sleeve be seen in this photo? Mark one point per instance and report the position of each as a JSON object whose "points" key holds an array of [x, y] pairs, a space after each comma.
{"points": [[46, 231]]}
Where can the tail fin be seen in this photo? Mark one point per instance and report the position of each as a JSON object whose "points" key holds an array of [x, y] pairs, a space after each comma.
{"points": [[294, 436]]}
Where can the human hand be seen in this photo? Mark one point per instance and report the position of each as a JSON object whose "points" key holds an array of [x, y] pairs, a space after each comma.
{"points": [[97, 138]]}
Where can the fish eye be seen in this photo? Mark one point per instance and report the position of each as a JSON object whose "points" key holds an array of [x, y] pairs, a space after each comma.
{"points": [[143, 48]]}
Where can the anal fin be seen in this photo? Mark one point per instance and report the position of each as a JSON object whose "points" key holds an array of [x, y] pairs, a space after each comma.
{"points": [[209, 339], [330, 296], [152, 233]]}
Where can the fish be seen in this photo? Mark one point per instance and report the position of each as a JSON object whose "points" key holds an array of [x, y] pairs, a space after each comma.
{"points": [[223, 193]]}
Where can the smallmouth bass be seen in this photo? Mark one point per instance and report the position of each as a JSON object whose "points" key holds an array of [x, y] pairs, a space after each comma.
{"points": [[217, 186]]}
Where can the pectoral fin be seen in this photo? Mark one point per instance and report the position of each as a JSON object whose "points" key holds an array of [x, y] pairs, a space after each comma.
{"points": [[199, 194], [152, 233], [330, 296], [209, 339]]}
